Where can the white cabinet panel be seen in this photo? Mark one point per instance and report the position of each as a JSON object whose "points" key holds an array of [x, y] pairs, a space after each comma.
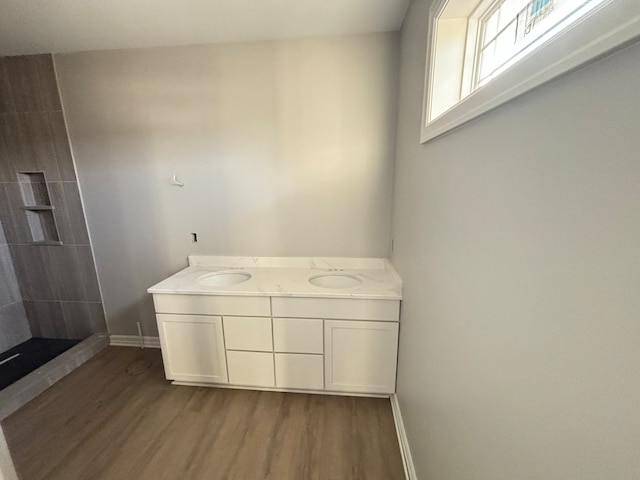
{"points": [[361, 356], [298, 335], [251, 368], [336, 308], [192, 348], [248, 333], [212, 305], [299, 371]]}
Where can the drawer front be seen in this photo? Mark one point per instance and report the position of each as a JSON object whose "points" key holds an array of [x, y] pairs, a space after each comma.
{"points": [[299, 371], [337, 308], [212, 305], [298, 335], [251, 368], [248, 333]]}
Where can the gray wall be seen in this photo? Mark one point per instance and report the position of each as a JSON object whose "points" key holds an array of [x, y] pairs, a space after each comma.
{"points": [[518, 240], [286, 148], [57, 280], [14, 326]]}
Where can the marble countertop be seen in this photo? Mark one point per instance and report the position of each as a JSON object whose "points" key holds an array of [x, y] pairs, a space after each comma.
{"points": [[286, 277]]}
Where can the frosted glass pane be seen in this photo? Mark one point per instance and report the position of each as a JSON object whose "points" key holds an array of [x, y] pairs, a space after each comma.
{"points": [[491, 27], [487, 62], [505, 45]]}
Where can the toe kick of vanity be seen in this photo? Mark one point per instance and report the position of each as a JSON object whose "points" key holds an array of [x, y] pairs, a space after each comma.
{"points": [[346, 345]]}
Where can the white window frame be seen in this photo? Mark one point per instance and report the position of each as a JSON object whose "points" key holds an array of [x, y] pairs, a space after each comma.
{"points": [[610, 26]]}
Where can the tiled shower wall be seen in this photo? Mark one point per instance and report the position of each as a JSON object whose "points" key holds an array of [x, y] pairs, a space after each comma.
{"points": [[58, 282], [14, 326]]}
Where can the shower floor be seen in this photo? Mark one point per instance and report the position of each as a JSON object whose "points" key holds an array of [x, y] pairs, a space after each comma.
{"points": [[29, 356]]}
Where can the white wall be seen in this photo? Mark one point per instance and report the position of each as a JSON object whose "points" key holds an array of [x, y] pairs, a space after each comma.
{"points": [[518, 239], [286, 148]]}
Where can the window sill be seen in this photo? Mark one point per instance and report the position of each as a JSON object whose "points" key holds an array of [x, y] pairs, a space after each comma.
{"points": [[612, 26]]}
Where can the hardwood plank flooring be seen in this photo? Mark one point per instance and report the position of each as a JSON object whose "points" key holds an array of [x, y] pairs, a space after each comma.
{"points": [[101, 423]]}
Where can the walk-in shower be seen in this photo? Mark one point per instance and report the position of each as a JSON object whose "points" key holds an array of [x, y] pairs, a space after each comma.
{"points": [[49, 294]]}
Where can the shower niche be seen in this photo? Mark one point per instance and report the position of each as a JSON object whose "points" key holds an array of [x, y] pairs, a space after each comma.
{"points": [[38, 209]]}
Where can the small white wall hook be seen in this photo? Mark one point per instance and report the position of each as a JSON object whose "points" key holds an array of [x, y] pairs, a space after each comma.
{"points": [[175, 181]]}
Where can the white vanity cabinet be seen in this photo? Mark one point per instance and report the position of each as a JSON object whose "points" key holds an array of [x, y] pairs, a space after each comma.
{"points": [[281, 332]]}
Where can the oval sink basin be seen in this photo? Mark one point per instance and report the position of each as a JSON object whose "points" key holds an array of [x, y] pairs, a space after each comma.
{"points": [[335, 280], [223, 279]]}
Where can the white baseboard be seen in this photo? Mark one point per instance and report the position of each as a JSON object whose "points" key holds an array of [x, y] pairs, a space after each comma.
{"points": [[405, 451], [133, 341]]}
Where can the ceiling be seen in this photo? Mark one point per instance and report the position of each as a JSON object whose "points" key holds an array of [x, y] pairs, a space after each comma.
{"points": [[44, 26]]}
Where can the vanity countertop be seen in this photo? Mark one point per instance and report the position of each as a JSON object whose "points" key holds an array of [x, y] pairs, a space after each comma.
{"points": [[286, 277]]}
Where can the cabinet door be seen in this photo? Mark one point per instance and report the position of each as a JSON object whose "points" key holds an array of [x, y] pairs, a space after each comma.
{"points": [[360, 356], [192, 348]]}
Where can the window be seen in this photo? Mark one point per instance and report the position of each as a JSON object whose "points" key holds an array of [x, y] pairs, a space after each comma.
{"points": [[512, 27], [486, 52]]}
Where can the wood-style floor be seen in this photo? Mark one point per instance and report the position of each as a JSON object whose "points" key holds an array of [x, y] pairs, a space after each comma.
{"points": [[101, 423]]}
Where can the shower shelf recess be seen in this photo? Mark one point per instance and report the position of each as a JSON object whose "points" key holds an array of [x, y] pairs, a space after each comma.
{"points": [[38, 209]]}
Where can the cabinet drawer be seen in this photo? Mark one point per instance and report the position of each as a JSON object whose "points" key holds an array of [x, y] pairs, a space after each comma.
{"points": [[298, 335], [251, 368], [212, 305], [247, 333], [336, 308], [299, 371]]}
